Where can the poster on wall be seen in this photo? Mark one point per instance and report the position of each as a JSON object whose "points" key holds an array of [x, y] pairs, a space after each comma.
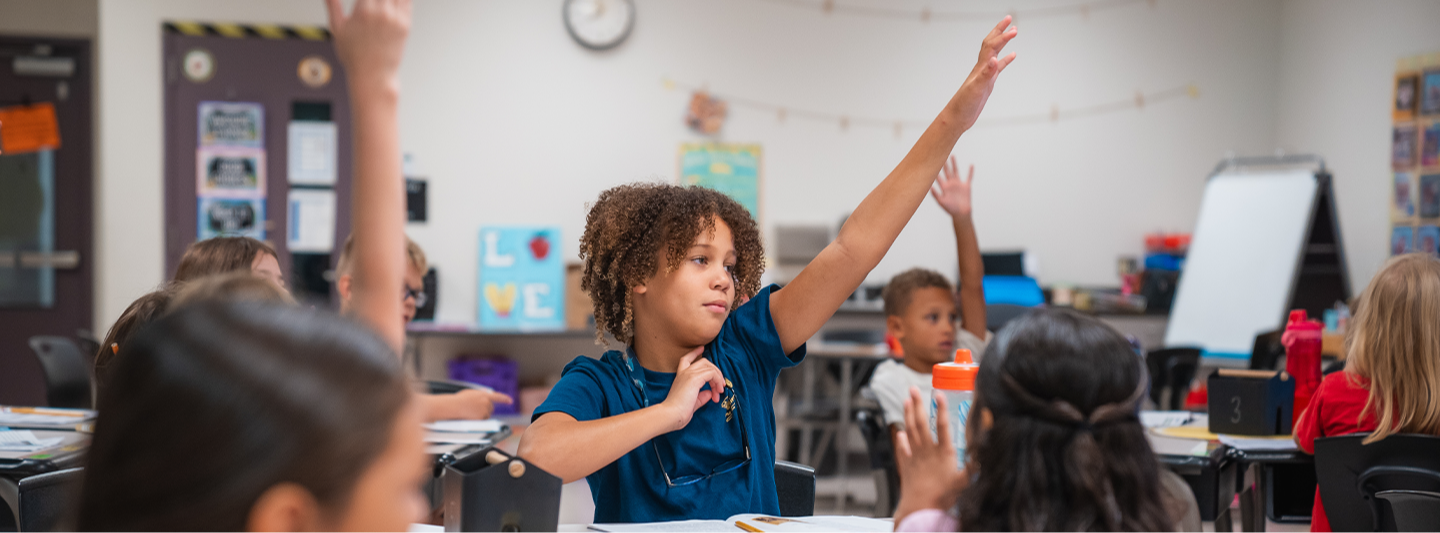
{"points": [[1427, 240], [1430, 196], [310, 221], [1402, 240], [1404, 197], [1430, 92], [232, 124], [312, 153], [1415, 156], [231, 217], [732, 169], [522, 279], [1430, 144], [229, 171]]}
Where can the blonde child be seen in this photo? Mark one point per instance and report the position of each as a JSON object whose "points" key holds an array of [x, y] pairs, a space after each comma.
{"points": [[1391, 381]]}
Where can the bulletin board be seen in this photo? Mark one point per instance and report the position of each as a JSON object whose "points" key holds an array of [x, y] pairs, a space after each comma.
{"points": [[732, 169], [257, 143], [1415, 156]]}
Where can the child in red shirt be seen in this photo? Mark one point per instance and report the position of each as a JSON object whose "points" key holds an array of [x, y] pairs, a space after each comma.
{"points": [[1392, 366]]}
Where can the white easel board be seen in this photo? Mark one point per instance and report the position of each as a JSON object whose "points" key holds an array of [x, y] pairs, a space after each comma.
{"points": [[1242, 261]]}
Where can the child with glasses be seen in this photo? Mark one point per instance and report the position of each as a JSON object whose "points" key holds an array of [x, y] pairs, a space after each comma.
{"points": [[679, 424]]}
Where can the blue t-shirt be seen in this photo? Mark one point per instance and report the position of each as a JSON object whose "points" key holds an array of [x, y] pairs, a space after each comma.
{"points": [[633, 488]]}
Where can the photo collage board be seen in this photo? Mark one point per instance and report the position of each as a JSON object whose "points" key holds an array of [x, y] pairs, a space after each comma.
{"points": [[1415, 156]]}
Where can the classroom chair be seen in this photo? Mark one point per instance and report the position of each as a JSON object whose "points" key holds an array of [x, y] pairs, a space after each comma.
{"points": [[449, 386], [1414, 510], [1173, 369], [997, 315], [67, 377], [46, 498], [1352, 476], [795, 483], [1267, 351], [881, 450]]}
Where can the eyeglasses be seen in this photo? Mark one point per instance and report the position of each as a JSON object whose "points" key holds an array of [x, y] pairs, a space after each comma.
{"points": [[731, 405], [417, 294], [724, 468]]}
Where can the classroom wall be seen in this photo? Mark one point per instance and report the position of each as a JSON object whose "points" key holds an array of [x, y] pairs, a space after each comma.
{"points": [[130, 212], [51, 18], [516, 124], [513, 123], [1337, 68]]}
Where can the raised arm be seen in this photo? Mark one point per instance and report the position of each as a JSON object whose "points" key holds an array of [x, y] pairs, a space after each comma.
{"points": [[370, 42], [953, 194], [804, 306]]}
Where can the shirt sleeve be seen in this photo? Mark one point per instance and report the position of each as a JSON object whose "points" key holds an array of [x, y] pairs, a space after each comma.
{"points": [[890, 392], [928, 520], [752, 327], [1308, 425], [578, 393], [975, 344]]}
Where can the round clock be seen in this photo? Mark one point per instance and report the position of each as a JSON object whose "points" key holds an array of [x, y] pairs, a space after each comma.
{"points": [[599, 24]]}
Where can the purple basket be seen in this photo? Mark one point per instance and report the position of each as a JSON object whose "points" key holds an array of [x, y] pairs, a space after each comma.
{"points": [[498, 373]]}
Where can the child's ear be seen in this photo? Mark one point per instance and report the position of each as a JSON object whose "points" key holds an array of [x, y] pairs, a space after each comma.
{"points": [[639, 289], [892, 324]]}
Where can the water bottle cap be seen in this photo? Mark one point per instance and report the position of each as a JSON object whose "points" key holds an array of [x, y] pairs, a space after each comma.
{"points": [[954, 376], [962, 356], [1297, 316]]}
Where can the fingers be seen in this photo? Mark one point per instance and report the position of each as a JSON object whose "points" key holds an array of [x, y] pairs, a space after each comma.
{"points": [[497, 397], [942, 419], [1000, 28], [336, 13], [935, 191], [914, 421], [951, 166], [689, 358], [970, 178], [1005, 62]]}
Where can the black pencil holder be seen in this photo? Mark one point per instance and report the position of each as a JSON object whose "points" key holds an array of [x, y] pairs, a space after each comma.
{"points": [[495, 491]]}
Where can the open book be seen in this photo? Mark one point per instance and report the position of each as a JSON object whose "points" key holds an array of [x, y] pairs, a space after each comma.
{"points": [[757, 523]]}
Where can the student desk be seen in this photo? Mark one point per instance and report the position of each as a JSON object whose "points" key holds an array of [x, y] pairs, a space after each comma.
{"points": [[1258, 499], [448, 454], [15, 466], [1206, 466]]}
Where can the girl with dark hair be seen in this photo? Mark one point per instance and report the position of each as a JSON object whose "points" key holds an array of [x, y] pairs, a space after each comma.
{"points": [[231, 416], [1055, 442]]}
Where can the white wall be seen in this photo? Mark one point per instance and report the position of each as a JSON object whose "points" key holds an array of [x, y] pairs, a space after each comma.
{"points": [[1337, 73], [51, 18], [516, 124], [130, 212]]}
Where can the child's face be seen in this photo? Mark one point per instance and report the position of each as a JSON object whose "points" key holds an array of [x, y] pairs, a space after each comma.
{"points": [[690, 303], [926, 330]]}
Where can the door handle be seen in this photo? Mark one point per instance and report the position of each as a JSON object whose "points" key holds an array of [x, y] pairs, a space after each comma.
{"points": [[64, 260]]}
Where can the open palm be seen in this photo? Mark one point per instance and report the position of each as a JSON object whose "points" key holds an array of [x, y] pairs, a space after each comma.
{"points": [[952, 191]]}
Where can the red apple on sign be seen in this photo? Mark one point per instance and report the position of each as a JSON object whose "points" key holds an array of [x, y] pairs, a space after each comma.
{"points": [[540, 246]]}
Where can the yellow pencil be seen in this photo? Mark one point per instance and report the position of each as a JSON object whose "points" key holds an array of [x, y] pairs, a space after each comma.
{"points": [[748, 527], [35, 411]]}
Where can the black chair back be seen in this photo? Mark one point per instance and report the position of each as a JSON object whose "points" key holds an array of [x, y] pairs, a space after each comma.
{"points": [[997, 315], [1265, 355], [882, 459], [46, 499], [1172, 368], [1414, 510], [1351, 476], [67, 377], [795, 484]]}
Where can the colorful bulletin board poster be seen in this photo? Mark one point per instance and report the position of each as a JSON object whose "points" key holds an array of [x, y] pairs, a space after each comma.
{"points": [[1415, 156], [231, 217], [232, 124], [227, 171], [522, 279], [732, 169]]}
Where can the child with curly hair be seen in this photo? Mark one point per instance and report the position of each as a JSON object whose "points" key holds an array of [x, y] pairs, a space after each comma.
{"points": [[679, 425]]}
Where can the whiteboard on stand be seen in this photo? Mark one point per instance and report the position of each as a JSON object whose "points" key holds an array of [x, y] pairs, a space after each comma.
{"points": [[1242, 263]]}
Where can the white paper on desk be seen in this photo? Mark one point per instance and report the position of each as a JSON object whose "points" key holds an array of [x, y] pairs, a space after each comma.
{"points": [[312, 153], [436, 437], [681, 526], [1260, 444], [1164, 419], [311, 215], [21, 440], [61, 417], [465, 426]]}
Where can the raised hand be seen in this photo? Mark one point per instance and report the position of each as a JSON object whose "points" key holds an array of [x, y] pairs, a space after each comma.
{"points": [[929, 475], [685, 395], [973, 94], [951, 191], [371, 40]]}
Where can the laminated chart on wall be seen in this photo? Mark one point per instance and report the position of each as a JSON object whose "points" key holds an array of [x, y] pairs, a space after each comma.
{"points": [[521, 279], [230, 175], [732, 169], [311, 221], [312, 149]]}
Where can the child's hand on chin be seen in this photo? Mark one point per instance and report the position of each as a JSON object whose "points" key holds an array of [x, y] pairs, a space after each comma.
{"points": [[929, 475], [685, 395]]}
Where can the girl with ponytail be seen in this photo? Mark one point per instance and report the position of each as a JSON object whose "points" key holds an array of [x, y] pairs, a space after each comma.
{"points": [[1055, 441]]}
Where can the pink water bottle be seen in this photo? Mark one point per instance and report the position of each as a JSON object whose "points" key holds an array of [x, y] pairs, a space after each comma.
{"points": [[1302, 357]]}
